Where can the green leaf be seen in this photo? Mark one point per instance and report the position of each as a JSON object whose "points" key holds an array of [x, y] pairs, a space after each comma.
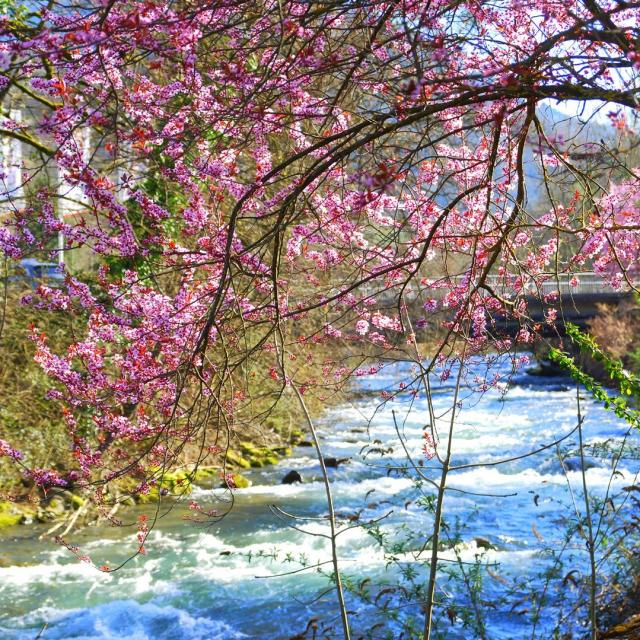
{"points": [[627, 383]]}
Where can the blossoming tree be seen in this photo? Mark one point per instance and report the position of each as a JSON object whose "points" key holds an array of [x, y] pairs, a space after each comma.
{"points": [[255, 180]]}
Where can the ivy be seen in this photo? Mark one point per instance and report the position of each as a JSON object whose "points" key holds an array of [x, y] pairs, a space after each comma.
{"points": [[626, 383]]}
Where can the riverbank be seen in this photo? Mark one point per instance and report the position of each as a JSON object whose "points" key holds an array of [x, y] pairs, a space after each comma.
{"points": [[63, 508], [46, 433], [264, 429]]}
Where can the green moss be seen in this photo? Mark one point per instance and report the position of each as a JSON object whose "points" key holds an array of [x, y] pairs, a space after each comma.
{"points": [[296, 436], [9, 520], [77, 501], [263, 459], [205, 474], [9, 515], [249, 449], [169, 483], [174, 482], [56, 505], [259, 456], [146, 498], [283, 451], [240, 481], [237, 460]]}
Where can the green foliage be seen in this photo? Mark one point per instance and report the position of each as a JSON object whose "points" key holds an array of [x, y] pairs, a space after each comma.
{"points": [[627, 383], [16, 12], [164, 195]]}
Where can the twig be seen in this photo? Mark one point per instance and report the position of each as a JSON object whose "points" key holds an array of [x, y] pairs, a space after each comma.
{"points": [[332, 517], [44, 628], [590, 542], [433, 568]]}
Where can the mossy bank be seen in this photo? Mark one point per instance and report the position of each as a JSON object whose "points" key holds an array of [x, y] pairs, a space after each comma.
{"points": [[59, 506]]}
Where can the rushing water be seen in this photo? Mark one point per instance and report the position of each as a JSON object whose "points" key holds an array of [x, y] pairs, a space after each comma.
{"points": [[222, 580]]}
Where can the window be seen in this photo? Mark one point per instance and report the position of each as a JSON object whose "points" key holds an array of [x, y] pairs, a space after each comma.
{"points": [[11, 168], [73, 199]]}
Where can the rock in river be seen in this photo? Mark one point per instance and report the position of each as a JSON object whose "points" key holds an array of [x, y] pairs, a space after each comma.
{"points": [[333, 463], [291, 478]]}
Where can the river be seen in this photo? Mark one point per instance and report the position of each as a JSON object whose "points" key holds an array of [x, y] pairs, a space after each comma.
{"points": [[223, 579]]}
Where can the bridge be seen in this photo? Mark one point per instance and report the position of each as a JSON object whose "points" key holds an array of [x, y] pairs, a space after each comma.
{"points": [[575, 302], [575, 297]]}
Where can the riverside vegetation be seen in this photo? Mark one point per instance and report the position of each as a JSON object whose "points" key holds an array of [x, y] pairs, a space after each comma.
{"points": [[29, 420]]}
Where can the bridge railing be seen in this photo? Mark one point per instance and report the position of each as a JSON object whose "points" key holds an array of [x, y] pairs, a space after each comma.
{"points": [[586, 283], [578, 284]]}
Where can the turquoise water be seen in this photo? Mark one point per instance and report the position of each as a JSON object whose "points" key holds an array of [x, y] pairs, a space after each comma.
{"points": [[223, 579]]}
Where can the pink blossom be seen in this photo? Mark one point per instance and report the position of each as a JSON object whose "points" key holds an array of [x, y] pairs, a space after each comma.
{"points": [[8, 451], [430, 305], [362, 327]]}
